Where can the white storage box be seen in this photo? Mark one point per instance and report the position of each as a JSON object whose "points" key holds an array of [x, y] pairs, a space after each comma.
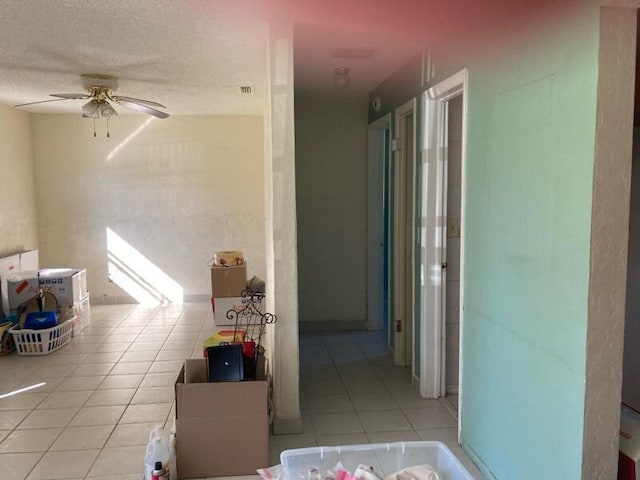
{"points": [[82, 313], [8, 266], [44, 341], [385, 458]]}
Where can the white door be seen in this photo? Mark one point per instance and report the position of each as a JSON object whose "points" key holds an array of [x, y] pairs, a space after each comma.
{"points": [[434, 227], [403, 233], [379, 150]]}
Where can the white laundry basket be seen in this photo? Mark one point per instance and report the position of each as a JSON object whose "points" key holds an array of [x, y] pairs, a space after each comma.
{"points": [[43, 341], [385, 458]]}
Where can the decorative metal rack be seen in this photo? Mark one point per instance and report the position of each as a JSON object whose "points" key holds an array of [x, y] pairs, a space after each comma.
{"points": [[251, 319]]}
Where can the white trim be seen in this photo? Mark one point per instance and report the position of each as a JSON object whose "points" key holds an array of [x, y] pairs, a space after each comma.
{"points": [[432, 313], [375, 176], [449, 88], [430, 261], [400, 350], [463, 223]]}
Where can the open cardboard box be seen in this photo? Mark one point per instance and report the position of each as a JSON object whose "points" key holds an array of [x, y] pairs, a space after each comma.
{"points": [[222, 429], [228, 281]]}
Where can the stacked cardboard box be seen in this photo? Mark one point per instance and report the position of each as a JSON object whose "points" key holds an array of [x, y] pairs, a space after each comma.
{"points": [[227, 285]]}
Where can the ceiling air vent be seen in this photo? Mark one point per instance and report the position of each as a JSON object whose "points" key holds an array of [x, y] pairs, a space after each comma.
{"points": [[354, 53], [246, 89]]}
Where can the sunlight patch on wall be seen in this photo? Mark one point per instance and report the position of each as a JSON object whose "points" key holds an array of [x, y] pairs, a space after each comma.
{"points": [[131, 136], [138, 276]]}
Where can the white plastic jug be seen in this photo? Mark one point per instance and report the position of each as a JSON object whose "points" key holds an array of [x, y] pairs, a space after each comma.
{"points": [[159, 449]]}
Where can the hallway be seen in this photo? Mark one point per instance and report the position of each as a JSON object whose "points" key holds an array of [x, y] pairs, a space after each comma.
{"points": [[351, 393]]}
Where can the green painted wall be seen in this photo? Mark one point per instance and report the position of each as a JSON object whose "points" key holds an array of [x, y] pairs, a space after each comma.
{"points": [[529, 170], [530, 144]]}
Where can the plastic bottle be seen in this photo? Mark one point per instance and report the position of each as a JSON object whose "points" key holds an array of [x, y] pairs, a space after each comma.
{"points": [[157, 451], [158, 472]]}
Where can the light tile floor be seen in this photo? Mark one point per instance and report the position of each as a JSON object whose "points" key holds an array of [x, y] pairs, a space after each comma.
{"points": [[352, 393], [104, 392]]}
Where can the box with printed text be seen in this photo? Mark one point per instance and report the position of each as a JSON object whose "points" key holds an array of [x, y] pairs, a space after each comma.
{"points": [[68, 285]]}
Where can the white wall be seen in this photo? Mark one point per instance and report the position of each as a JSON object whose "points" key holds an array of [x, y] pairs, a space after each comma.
{"points": [[18, 207], [609, 241], [331, 162], [280, 231], [175, 190]]}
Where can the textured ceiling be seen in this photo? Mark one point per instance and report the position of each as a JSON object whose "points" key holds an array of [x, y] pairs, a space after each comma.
{"points": [[194, 55], [191, 56]]}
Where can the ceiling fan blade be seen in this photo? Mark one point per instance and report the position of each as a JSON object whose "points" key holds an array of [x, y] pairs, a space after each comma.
{"points": [[148, 103], [71, 96], [41, 101], [142, 108]]}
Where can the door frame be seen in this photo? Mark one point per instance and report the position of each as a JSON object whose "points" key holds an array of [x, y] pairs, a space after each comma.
{"points": [[403, 343], [433, 243], [375, 221]]}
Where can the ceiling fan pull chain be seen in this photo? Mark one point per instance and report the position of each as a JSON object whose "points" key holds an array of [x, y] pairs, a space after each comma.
{"points": [[108, 134], [94, 128]]}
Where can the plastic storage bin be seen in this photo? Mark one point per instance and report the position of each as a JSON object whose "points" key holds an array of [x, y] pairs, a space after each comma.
{"points": [[385, 458], [44, 341], [82, 313]]}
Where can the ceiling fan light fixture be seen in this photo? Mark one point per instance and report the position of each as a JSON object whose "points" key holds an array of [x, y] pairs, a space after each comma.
{"points": [[91, 109], [100, 93], [106, 110]]}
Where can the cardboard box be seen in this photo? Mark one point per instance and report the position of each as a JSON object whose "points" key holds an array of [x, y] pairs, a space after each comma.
{"points": [[67, 284], [228, 281], [221, 306], [222, 429]]}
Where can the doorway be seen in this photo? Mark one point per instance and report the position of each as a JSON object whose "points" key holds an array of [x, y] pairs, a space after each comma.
{"points": [[378, 238], [442, 246], [404, 146]]}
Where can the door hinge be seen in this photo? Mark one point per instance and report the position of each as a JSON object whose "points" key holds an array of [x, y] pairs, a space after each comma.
{"points": [[398, 326], [444, 266]]}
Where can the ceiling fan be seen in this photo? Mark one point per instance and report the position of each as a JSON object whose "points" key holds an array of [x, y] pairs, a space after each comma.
{"points": [[101, 90]]}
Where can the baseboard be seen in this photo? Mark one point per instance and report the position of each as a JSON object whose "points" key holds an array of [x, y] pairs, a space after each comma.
{"points": [[119, 300], [287, 426], [197, 298], [475, 458], [331, 326], [450, 408], [128, 300]]}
